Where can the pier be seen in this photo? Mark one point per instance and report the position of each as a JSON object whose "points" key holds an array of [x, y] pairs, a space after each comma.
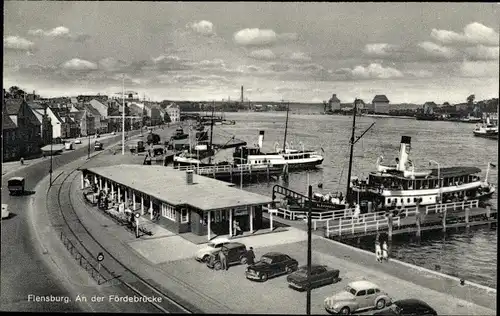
{"points": [[341, 224], [230, 172]]}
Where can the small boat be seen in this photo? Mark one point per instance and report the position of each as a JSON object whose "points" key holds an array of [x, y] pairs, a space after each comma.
{"points": [[471, 119], [486, 130]]}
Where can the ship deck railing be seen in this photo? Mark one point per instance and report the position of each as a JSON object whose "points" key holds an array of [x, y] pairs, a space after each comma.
{"points": [[208, 170]]}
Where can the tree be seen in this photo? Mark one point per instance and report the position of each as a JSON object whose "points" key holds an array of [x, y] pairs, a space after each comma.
{"points": [[16, 92], [446, 104], [470, 99], [166, 118]]}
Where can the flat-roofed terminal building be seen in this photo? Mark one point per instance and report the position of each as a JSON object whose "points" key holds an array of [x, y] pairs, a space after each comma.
{"points": [[184, 201]]}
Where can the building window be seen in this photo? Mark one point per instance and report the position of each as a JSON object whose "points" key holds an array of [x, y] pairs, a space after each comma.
{"points": [[184, 216], [168, 211]]}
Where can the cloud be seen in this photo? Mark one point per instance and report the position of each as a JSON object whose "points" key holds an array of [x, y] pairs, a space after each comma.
{"points": [[169, 63], [279, 67], [17, 43], [379, 49], [299, 56], [214, 63], [372, 71], [112, 64], [202, 27], [288, 37], [479, 69], [196, 80], [255, 37], [263, 54], [481, 52], [420, 73], [437, 50], [59, 32], [474, 33], [79, 65]]}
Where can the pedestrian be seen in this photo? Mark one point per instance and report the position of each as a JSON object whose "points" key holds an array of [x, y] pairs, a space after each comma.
{"points": [[22, 161], [250, 256], [235, 229], [385, 253], [378, 251], [222, 259], [357, 211]]}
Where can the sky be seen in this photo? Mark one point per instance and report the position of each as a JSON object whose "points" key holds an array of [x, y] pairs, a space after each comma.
{"points": [[299, 52]]}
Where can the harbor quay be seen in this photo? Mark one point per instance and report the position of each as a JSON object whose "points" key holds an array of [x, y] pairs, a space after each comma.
{"points": [[167, 257]]}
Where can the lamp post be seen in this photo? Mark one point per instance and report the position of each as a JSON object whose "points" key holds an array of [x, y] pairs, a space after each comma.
{"points": [[439, 177], [88, 135], [51, 154]]}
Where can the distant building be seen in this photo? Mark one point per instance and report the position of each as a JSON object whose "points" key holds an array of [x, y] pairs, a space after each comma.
{"points": [[360, 106], [174, 112], [88, 98], [11, 150], [429, 107], [27, 136], [380, 104], [154, 114], [58, 123], [333, 103], [100, 121], [43, 118]]}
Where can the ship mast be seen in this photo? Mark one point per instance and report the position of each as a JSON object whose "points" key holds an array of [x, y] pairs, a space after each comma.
{"points": [[352, 142], [286, 127]]}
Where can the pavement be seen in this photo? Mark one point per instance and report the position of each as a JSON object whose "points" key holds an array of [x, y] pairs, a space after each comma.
{"points": [[169, 260]]}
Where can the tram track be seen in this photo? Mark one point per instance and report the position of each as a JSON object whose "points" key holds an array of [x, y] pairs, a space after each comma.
{"points": [[113, 271]]}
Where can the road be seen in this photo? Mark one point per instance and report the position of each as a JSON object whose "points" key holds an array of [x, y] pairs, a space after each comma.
{"points": [[23, 271]]}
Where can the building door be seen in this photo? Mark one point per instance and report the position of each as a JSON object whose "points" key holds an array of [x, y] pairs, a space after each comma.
{"points": [[242, 216]]}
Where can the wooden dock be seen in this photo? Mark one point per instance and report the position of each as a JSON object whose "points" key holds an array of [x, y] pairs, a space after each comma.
{"points": [[341, 224], [231, 173]]}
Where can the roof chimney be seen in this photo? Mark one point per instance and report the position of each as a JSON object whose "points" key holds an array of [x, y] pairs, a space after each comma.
{"points": [[189, 177]]}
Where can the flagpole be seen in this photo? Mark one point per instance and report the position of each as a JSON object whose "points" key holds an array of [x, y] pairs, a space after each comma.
{"points": [[123, 115]]}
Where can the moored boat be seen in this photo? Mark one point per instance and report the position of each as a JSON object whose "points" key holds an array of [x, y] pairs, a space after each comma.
{"points": [[486, 130]]}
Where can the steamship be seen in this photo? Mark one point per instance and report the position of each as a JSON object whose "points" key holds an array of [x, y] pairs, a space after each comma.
{"points": [[400, 185], [486, 130], [292, 158]]}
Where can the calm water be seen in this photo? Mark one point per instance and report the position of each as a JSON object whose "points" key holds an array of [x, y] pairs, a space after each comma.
{"points": [[471, 255]]}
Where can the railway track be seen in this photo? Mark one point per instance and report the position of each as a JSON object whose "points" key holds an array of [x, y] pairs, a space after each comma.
{"points": [[112, 272]]}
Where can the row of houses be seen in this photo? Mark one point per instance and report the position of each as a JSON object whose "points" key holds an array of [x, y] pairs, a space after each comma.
{"points": [[379, 105], [29, 124]]}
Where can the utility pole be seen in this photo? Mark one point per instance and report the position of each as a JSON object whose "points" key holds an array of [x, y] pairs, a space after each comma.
{"points": [[50, 170], [309, 252], [286, 127]]}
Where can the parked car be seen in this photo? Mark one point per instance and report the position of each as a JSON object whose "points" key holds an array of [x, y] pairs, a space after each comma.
{"points": [[203, 254], [270, 265], [98, 146], [78, 141], [235, 254], [357, 296], [320, 275], [5, 211], [408, 307]]}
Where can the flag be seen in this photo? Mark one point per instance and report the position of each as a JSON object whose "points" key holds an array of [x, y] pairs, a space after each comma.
{"points": [[494, 166]]}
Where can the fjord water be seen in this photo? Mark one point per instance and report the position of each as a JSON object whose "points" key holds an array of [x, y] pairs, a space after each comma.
{"points": [[471, 255]]}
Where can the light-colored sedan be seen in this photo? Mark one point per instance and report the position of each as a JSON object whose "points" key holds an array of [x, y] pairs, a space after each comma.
{"points": [[5, 211], [213, 246], [78, 141], [357, 296]]}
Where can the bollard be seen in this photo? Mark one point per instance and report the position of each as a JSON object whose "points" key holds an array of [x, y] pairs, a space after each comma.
{"points": [[444, 220]]}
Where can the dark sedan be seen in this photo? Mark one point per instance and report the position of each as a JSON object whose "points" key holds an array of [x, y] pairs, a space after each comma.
{"points": [[320, 275], [408, 307], [270, 265]]}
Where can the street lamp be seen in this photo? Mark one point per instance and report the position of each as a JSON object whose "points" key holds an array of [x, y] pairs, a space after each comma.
{"points": [[88, 134], [439, 177], [309, 252], [51, 153]]}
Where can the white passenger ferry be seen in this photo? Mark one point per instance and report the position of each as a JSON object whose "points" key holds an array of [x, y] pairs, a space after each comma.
{"points": [[402, 185]]}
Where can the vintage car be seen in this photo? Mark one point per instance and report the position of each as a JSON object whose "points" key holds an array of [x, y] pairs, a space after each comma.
{"points": [[78, 141], [5, 211], [320, 275], [408, 307], [16, 185], [203, 254], [98, 146], [357, 296], [270, 265], [236, 253]]}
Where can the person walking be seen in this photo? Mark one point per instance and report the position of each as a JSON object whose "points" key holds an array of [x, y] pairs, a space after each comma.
{"points": [[222, 259], [357, 211], [250, 256], [378, 251], [385, 253]]}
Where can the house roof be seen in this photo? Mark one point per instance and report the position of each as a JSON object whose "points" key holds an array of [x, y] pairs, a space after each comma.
{"points": [[35, 105], [93, 111], [57, 113], [12, 106], [99, 106], [39, 115], [204, 194], [334, 98], [380, 98], [7, 123]]}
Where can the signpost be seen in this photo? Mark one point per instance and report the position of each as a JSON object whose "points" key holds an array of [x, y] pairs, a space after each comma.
{"points": [[100, 257]]}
